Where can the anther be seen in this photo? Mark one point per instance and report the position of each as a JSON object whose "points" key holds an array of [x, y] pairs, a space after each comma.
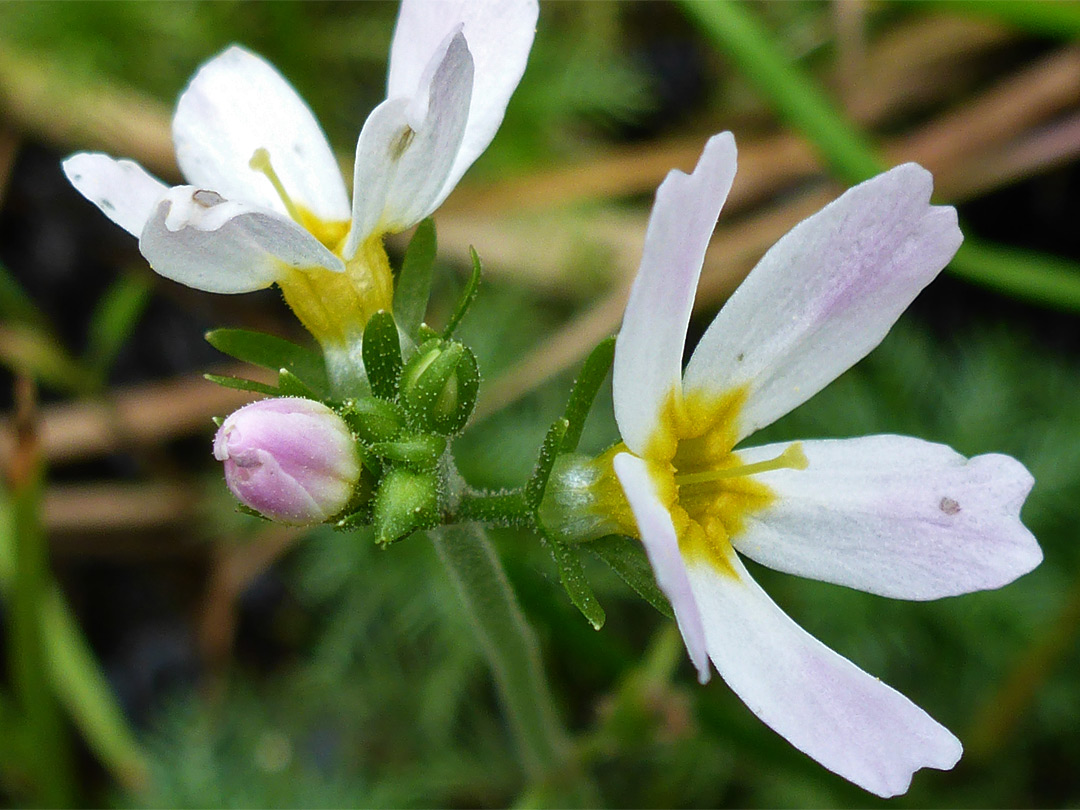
{"points": [[260, 162], [793, 458]]}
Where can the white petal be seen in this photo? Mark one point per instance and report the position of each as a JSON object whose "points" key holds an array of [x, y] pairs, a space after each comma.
{"points": [[499, 34], [201, 240], [649, 349], [895, 516], [825, 295], [662, 547], [238, 103], [407, 148], [823, 704], [124, 191]]}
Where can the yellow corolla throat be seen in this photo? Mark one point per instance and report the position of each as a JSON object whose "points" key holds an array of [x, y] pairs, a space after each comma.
{"points": [[707, 487], [334, 307]]}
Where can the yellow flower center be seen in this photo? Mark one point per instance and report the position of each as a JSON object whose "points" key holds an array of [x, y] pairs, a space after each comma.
{"points": [[334, 307], [706, 486]]}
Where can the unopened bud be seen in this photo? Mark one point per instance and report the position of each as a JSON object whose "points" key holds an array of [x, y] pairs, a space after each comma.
{"points": [[406, 501], [421, 452], [290, 459], [373, 419], [439, 385]]}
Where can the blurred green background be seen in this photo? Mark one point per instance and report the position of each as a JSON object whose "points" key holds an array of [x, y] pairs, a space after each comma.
{"points": [[163, 650]]}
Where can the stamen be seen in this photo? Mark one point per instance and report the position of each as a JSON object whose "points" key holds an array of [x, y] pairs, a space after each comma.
{"points": [[793, 458], [260, 162]]}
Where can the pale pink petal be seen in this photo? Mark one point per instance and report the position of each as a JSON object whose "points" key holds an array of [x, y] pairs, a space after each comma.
{"points": [[238, 103], [662, 547], [649, 349], [124, 191], [823, 704], [199, 239], [499, 34], [825, 295], [894, 516], [407, 149]]}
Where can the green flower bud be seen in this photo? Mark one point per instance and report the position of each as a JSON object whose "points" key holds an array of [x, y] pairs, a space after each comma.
{"points": [[373, 419], [406, 501], [439, 386], [421, 451]]}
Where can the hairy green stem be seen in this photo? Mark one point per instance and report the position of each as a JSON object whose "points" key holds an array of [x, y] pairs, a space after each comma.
{"points": [[513, 654], [509, 508]]}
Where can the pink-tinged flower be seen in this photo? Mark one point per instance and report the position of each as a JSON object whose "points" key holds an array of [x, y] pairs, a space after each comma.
{"points": [[293, 460], [891, 515], [266, 202]]}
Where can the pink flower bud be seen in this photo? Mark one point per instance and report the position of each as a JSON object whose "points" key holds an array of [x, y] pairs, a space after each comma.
{"points": [[291, 459]]}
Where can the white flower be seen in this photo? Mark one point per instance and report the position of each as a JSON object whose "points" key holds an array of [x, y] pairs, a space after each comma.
{"points": [[891, 515], [267, 203]]}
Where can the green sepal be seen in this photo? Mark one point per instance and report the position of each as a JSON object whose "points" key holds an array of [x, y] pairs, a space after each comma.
{"points": [[381, 351], [373, 420], [627, 559], [468, 295], [586, 386], [292, 386], [243, 508], [274, 353], [425, 378], [468, 382], [439, 386], [414, 280], [425, 333], [573, 579], [421, 451], [370, 462], [353, 521], [240, 384], [406, 501], [549, 450]]}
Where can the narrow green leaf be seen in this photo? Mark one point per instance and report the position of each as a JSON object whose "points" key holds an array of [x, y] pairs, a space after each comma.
{"points": [[31, 350], [1049, 280], [274, 353], [468, 295], [86, 694], [549, 450], [573, 579], [586, 386], [627, 559], [1039, 17], [51, 768], [736, 31], [16, 304], [75, 675], [414, 280], [381, 351], [114, 319], [509, 644], [241, 384], [292, 386], [797, 98]]}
